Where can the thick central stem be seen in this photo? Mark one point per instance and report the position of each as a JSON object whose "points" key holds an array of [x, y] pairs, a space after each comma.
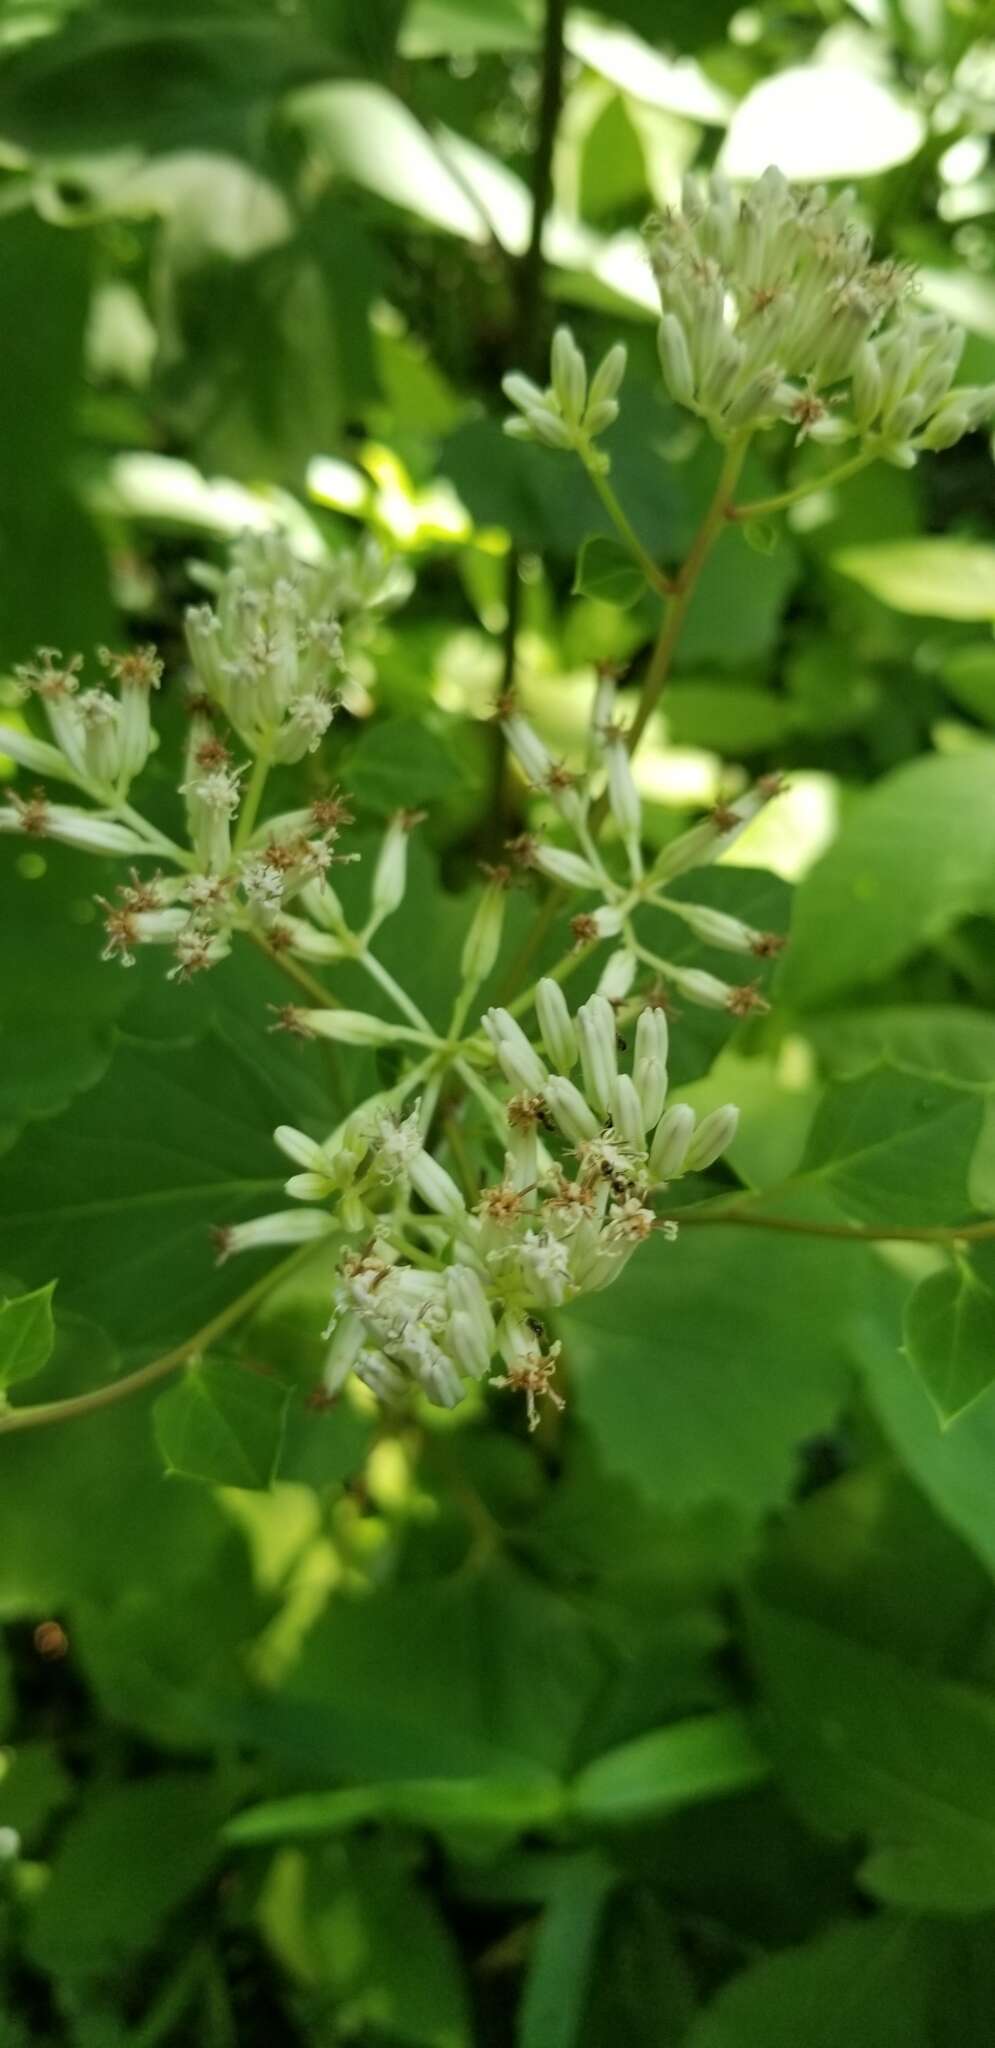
{"points": [[686, 581]]}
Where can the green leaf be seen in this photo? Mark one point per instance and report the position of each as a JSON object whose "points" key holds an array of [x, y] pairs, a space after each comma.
{"points": [[670, 1768], [894, 1147], [400, 763], [120, 1194], [854, 1984], [950, 1337], [915, 855], [940, 578], [443, 1678], [27, 1334], [969, 675], [480, 1805], [706, 1366], [129, 1856], [606, 570], [50, 1049], [871, 1747], [732, 719], [562, 1957], [222, 1423]]}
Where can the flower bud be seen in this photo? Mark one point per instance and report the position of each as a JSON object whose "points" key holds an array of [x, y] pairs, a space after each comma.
{"points": [[283, 1227], [627, 1112], [569, 868], [651, 1086], [623, 796], [717, 927], [675, 360], [353, 1027], [533, 757], [436, 1187], [517, 1058], [571, 1113], [390, 875], [866, 386], [568, 376], [670, 1142], [556, 1025], [343, 1351], [304, 1151], [617, 975], [713, 1136], [483, 940], [37, 755], [598, 1052], [652, 1035], [607, 379], [701, 987]]}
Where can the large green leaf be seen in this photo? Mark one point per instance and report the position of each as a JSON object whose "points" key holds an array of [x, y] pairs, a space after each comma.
{"points": [[709, 1363], [127, 1859], [915, 855], [897, 1147], [854, 1984], [874, 1749], [119, 1196]]}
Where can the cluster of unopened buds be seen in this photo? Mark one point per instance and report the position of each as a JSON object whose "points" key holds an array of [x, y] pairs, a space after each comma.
{"points": [[267, 660], [775, 311]]}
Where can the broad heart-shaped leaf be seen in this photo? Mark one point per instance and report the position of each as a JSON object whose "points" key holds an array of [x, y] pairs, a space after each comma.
{"points": [[437, 1679], [607, 571], [710, 1362], [119, 1195], [950, 1337], [940, 578], [857, 1986], [914, 856], [27, 1334], [222, 1423], [873, 1748], [891, 1146]]}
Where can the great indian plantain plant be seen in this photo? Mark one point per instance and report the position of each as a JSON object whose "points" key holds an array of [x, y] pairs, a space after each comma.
{"points": [[774, 312]]}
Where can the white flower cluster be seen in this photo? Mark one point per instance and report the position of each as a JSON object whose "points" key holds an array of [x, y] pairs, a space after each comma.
{"points": [[571, 412], [436, 1292], [773, 310], [267, 657]]}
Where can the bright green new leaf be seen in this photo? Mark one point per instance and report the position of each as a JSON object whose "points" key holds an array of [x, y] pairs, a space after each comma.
{"points": [[915, 855], [27, 1334], [692, 1761], [936, 578], [950, 1337], [495, 1805], [223, 1423]]}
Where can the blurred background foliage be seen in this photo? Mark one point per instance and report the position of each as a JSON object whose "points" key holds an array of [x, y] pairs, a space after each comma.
{"points": [[677, 1723]]}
